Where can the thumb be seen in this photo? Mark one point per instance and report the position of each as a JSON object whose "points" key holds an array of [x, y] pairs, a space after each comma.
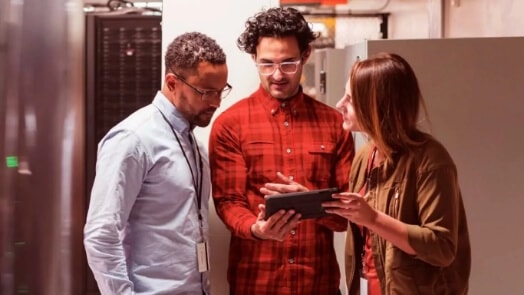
{"points": [[262, 212]]}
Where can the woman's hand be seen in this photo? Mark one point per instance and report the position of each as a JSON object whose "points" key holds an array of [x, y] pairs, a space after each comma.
{"points": [[353, 207]]}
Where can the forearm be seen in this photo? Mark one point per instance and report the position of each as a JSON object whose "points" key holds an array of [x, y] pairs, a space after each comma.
{"points": [[392, 230], [237, 218], [106, 259]]}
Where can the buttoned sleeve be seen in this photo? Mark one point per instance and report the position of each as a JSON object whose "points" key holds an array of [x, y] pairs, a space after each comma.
{"points": [[120, 171], [229, 178]]}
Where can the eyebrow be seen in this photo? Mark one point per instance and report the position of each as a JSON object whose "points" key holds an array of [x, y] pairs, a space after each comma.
{"points": [[263, 60]]}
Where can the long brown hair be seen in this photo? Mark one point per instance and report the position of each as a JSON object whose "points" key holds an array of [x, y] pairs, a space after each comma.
{"points": [[387, 99]]}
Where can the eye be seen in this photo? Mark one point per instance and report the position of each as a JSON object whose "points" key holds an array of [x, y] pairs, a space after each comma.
{"points": [[266, 65]]}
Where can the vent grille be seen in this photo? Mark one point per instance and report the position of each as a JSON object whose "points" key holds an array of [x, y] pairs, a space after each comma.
{"points": [[129, 68]]}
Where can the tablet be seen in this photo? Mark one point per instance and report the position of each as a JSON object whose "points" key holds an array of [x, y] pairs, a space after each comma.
{"points": [[309, 203]]}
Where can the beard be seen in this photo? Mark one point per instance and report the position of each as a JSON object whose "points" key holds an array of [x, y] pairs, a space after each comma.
{"points": [[203, 118]]}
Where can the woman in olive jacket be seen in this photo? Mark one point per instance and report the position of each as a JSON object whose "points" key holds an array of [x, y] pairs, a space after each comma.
{"points": [[408, 231]]}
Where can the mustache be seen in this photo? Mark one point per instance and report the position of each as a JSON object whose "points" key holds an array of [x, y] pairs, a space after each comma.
{"points": [[209, 109]]}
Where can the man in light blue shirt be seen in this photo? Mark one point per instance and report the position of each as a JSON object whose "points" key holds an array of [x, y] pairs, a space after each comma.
{"points": [[146, 230]]}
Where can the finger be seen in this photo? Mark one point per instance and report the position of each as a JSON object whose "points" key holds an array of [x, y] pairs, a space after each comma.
{"points": [[283, 220], [340, 212], [284, 178], [268, 192], [273, 219], [346, 195], [282, 188], [333, 204], [290, 224], [262, 211]]}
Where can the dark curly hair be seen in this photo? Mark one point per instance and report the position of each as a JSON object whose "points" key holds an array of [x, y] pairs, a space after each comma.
{"points": [[188, 50], [276, 22]]}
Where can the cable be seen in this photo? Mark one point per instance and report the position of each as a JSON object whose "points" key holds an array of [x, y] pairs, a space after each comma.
{"points": [[117, 4]]}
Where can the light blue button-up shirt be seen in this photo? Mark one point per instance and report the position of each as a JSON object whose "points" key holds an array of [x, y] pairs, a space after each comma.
{"points": [[142, 227]]}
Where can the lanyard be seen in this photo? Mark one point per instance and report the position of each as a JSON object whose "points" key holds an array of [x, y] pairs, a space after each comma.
{"points": [[197, 184]]}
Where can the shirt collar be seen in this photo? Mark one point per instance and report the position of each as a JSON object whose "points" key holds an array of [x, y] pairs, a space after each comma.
{"points": [[175, 118], [275, 105]]}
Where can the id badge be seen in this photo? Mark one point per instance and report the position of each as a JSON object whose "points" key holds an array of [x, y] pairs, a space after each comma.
{"points": [[363, 286], [203, 260]]}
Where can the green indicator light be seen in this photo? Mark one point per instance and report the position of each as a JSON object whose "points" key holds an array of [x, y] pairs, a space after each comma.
{"points": [[11, 161]]}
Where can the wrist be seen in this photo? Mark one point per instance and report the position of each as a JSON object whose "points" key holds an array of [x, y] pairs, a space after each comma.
{"points": [[253, 231], [373, 220]]}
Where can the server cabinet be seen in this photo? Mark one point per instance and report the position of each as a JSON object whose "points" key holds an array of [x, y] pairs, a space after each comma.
{"points": [[123, 73]]}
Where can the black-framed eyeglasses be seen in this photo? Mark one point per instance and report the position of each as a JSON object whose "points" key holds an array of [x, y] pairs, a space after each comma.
{"points": [[269, 68], [208, 94]]}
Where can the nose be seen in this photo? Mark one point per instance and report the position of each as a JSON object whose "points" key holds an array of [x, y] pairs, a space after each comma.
{"points": [[215, 101], [277, 75], [340, 103]]}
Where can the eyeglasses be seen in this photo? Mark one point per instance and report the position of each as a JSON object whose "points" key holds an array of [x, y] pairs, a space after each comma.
{"points": [[287, 67], [208, 94]]}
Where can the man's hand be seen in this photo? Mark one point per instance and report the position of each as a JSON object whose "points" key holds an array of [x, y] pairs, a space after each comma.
{"points": [[287, 186], [277, 226]]}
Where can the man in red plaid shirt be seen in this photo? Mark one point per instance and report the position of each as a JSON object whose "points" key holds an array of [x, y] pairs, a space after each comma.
{"points": [[269, 142]]}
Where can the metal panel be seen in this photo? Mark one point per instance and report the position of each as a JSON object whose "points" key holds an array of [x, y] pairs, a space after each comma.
{"points": [[42, 135]]}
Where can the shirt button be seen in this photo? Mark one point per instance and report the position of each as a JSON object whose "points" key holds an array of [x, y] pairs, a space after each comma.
{"points": [[322, 147], [292, 232], [288, 151], [291, 260], [291, 177], [283, 104], [286, 123]]}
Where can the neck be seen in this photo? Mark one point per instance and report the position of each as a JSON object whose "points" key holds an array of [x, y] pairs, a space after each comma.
{"points": [[379, 158]]}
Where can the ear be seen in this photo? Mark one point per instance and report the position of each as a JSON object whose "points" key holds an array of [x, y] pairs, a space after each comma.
{"points": [[170, 81], [254, 57]]}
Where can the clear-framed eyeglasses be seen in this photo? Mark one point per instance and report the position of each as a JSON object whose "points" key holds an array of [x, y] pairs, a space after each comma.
{"points": [[269, 68], [208, 94]]}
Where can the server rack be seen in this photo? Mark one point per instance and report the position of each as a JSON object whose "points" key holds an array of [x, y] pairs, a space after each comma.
{"points": [[123, 72]]}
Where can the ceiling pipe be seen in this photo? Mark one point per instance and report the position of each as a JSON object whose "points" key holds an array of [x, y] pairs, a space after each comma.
{"points": [[351, 7]]}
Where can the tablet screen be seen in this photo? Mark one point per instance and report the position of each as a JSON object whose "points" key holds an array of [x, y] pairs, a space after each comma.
{"points": [[309, 203]]}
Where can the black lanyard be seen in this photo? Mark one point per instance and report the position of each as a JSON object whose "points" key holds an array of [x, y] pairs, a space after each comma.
{"points": [[197, 184]]}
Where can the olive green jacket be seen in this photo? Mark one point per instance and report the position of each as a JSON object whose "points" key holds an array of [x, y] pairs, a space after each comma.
{"points": [[421, 189]]}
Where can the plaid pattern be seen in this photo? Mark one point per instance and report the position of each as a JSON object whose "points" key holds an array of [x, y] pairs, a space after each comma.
{"points": [[249, 143]]}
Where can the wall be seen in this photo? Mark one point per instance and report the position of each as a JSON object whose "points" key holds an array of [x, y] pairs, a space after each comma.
{"points": [[484, 18], [224, 21]]}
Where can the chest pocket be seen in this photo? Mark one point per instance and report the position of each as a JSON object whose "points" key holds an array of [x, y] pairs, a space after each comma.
{"points": [[320, 162], [260, 158]]}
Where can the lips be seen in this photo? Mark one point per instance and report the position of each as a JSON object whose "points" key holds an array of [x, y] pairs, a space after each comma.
{"points": [[210, 112], [279, 86]]}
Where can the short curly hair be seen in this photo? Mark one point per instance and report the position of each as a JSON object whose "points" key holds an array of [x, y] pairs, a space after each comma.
{"points": [[276, 22], [188, 50]]}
